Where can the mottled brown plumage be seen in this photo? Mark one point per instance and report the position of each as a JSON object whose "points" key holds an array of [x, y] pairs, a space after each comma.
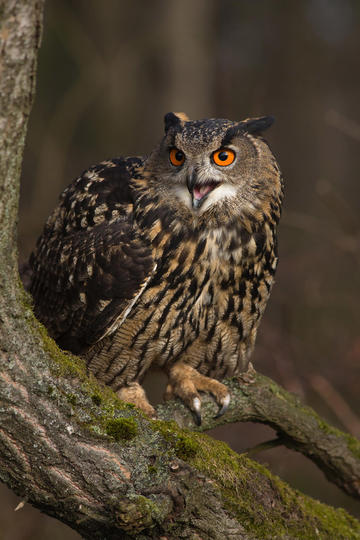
{"points": [[145, 262]]}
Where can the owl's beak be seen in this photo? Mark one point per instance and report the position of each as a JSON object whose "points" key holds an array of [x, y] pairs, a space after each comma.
{"points": [[191, 180], [199, 191], [191, 183]]}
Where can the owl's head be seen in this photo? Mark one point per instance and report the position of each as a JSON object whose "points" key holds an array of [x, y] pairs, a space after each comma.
{"points": [[216, 166]]}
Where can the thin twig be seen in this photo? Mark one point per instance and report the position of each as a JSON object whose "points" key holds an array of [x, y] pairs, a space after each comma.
{"points": [[267, 445]]}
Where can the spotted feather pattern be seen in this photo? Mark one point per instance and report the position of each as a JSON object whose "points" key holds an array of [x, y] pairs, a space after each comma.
{"points": [[127, 275], [90, 261]]}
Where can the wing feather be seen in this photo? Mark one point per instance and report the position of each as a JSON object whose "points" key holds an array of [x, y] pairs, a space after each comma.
{"points": [[92, 263]]}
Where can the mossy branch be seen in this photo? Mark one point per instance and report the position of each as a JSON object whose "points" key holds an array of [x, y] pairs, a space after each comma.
{"points": [[72, 449], [256, 398]]}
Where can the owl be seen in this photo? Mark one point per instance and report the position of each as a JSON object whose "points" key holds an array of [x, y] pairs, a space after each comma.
{"points": [[166, 260]]}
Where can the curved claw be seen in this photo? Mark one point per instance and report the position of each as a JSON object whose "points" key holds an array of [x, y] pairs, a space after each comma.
{"points": [[224, 407], [196, 409]]}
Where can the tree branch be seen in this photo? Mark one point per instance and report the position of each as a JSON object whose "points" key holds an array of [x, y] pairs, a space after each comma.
{"points": [[72, 449], [259, 399]]}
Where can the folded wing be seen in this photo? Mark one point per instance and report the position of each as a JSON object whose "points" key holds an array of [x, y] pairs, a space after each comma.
{"points": [[92, 263]]}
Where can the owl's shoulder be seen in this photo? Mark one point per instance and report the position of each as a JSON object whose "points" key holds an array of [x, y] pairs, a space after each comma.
{"points": [[102, 193]]}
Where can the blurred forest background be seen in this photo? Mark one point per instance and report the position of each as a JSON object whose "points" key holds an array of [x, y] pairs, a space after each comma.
{"points": [[109, 71]]}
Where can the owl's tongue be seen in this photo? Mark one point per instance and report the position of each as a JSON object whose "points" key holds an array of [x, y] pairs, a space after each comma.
{"points": [[200, 190]]}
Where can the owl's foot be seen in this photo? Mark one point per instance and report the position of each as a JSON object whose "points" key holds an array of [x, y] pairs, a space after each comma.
{"points": [[135, 394], [185, 382], [249, 376]]}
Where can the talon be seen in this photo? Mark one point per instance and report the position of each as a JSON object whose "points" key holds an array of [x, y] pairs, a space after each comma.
{"points": [[186, 382], [197, 418], [197, 410], [224, 407]]}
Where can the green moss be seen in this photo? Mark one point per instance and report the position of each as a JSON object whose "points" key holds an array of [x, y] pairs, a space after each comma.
{"points": [[266, 506], [71, 399], [169, 430], [276, 390], [51, 391], [137, 513], [66, 365], [352, 443], [152, 469], [186, 448], [121, 428], [262, 511], [145, 505], [63, 362], [184, 445], [96, 399]]}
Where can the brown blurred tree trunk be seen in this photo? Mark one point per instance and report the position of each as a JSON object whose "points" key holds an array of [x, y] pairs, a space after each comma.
{"points": [[70, 447], [189, 30]]}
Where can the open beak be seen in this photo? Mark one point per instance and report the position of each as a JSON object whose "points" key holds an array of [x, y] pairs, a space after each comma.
{"points": [[199, 191]]}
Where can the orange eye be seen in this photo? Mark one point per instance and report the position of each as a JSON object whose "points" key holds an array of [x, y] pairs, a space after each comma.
{"points": [[223, 157], [177, 157]]}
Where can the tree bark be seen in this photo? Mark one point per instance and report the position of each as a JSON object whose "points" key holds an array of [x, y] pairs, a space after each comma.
{"points": [[72, 449], [259, 399]]}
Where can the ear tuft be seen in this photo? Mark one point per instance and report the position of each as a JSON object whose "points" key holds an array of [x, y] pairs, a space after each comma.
{"points": [[250, 125], [257, 125], [175, 120], [183, 117]]}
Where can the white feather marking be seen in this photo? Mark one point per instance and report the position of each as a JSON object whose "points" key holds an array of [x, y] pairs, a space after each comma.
{"points": [[124, 314], [99, 219], [100, 209], [183, 194], [252, 246], [224, 191]]}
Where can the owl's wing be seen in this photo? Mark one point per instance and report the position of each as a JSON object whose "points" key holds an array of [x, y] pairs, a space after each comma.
{"points": [[92, 263]]}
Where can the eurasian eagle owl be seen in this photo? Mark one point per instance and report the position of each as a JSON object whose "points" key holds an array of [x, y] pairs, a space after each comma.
{"points": [[165, 260]]}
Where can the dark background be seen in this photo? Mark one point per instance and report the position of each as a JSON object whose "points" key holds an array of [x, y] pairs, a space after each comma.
{"points": [[110, 70]]}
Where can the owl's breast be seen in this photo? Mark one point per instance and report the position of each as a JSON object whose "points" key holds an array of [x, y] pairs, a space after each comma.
{"points": [[205, 305]]}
